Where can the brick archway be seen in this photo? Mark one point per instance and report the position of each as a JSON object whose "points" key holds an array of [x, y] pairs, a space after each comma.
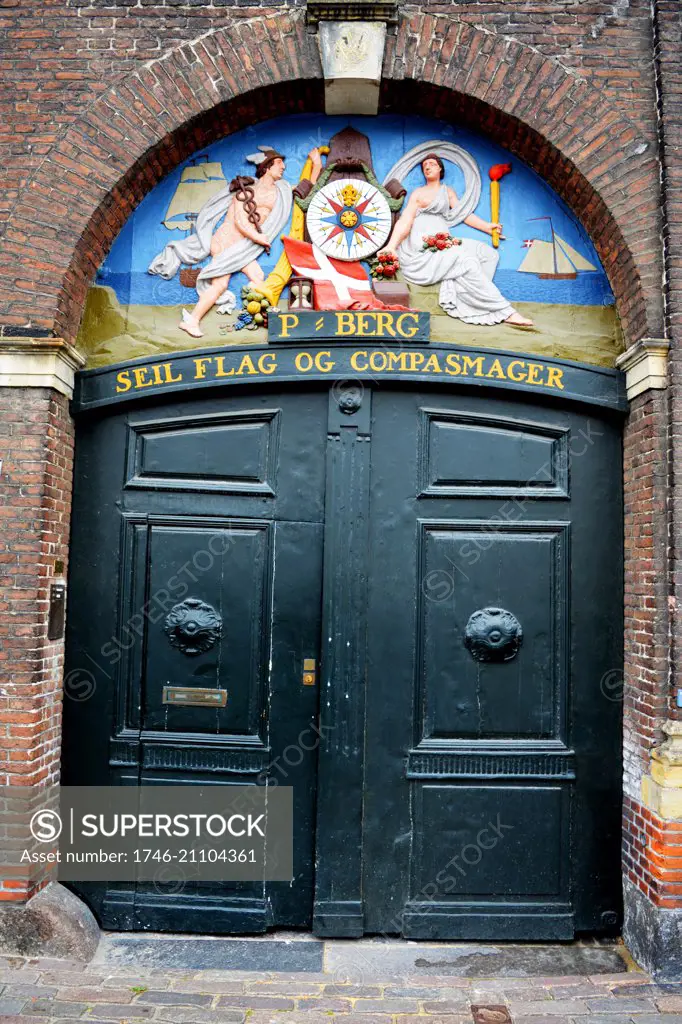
{"points": [[140, 128]]}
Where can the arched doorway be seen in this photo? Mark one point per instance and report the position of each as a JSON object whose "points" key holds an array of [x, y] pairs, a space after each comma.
{"points": [[430, 527]]}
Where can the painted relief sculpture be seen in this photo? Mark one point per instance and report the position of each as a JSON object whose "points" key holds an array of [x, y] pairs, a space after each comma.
{"points": [[254, 213], [391, 212], [348, 217], [464, 268], [555, 260]]}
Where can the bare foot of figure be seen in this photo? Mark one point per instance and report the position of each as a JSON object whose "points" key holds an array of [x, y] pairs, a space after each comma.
{"points": [[190, 325], [516, 320]]}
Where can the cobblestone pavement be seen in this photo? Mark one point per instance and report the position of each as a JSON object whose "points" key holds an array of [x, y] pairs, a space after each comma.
{"points": [[61, 990]]}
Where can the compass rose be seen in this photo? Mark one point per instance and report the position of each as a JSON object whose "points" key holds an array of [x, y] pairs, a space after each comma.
{"points": [[349, 219]]}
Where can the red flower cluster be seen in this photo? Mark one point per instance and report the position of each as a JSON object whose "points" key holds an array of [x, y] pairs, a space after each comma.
{"points": [[386, 265], [441, 240]]}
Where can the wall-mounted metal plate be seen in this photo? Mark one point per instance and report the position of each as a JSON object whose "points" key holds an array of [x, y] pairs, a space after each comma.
{"points": [[309, 672], [55, 621], [193, 696]]}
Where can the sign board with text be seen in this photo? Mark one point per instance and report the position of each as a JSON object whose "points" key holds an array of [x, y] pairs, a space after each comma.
{"points": [[369, 361], [350, 325]]}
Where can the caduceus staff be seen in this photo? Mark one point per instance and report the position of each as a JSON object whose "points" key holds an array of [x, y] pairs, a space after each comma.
{"points": [[241, 186]]}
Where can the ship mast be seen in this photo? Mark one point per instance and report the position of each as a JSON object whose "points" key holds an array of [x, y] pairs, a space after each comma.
{"points": [[554, 247]]}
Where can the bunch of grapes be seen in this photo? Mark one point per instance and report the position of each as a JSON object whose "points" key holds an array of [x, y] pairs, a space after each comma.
{"points": [[243, 320]]}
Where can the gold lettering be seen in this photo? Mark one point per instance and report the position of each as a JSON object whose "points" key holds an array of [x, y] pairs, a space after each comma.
{"points": [[496, 370], [156, 370], [378, 361], [288, 322], [168, 377], [396, 359], [414, 361], [452, 364], [385, 324], [407, 332], [123, 378], [345, 324], [533, 373], [246, 366], [269, 367], [432, 364], [139, 373], [364, 323], [322, 364], [221, 371], [511, 373], [303, 362], [555, 377], [354, 360], [200, 366], [470, 363]]}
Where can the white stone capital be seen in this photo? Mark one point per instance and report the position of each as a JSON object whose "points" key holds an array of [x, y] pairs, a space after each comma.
{"points": [[645, 365], [39, 363]]}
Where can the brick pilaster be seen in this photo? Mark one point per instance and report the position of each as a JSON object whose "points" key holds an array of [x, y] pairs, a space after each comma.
{"points": [[36, 432]]}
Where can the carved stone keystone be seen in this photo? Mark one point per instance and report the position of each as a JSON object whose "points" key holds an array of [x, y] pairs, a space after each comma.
{"points": [[352, 53]]}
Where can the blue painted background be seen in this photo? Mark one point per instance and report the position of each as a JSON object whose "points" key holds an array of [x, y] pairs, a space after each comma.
{"points": [[524, 196]]}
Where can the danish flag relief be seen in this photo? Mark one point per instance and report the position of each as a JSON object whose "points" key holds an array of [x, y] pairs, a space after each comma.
{"points": [[338, 284]]}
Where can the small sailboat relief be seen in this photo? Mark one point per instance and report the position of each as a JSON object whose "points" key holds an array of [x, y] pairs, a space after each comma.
{"points": [[555, 260], [198, 183]]}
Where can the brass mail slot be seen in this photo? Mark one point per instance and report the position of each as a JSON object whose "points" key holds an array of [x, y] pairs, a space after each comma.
{"points": [[193, 696]]}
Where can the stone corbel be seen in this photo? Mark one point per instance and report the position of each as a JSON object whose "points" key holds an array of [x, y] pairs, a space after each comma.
{"points": [[645, 365], [352, 38], [662, 789], [39, 363]]}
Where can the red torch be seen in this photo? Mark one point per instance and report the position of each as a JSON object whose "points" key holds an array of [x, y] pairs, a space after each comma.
{"points": [[496, 173]]}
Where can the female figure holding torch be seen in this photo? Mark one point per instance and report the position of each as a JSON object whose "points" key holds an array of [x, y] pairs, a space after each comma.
{"points": [[464, 267]]}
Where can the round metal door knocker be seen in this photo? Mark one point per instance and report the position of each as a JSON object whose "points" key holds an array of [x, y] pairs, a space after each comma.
{"points": [[350, 400], [193, 626], [493, 634]]}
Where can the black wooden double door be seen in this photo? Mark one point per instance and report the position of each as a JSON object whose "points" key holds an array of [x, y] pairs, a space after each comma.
{"points": [[445, 567]]}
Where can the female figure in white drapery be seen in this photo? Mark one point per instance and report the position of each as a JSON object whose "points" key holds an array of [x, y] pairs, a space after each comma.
{"points": [[465, 270]]}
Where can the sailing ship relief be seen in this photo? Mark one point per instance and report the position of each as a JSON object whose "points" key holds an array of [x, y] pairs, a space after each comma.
{"points": [[198, 183], [555, 260]]}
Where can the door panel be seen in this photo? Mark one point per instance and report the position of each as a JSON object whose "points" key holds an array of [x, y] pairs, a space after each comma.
{"points": [[492, 768], [203, 569], [236, 583], [512, 868], [474, 454], [459, 696]]}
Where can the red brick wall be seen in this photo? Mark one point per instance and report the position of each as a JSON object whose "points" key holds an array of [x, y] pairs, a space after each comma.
{"points": [[646, 683], [36, 446], [652, 854], [649, 843], [668, 40]]}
